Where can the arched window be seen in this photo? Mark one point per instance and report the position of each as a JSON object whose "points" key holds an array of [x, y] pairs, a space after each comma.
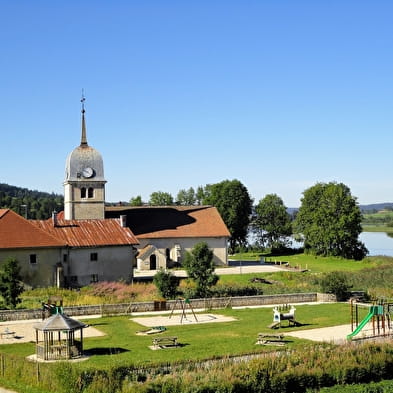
{"points": [[83, 192], [90, 192]]}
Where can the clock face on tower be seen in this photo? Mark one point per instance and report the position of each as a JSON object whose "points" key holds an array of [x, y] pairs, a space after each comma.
{"points": [[88, 172]]}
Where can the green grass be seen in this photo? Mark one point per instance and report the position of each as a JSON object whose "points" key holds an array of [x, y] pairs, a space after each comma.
{"points": [[318, 264], [377, 228], [200, 341], [313, 263], [246, 256]]}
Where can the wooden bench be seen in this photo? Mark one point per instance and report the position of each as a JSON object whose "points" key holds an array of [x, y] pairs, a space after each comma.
{"points": [[7, 334], [270, 339], [165, 342]]}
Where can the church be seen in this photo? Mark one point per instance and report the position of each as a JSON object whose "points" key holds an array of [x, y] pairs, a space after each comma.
{"points": [[90, 242]]}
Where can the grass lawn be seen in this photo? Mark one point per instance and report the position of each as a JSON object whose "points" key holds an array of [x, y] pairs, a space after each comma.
{"points": [[121, 345], [314, 263], [377, 228]]}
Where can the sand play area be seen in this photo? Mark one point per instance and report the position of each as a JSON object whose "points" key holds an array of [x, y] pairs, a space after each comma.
{"points": [[24, 331], [179, 319]]}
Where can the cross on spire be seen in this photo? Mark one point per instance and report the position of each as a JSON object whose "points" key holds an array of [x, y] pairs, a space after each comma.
{"points": [[83, 138]]}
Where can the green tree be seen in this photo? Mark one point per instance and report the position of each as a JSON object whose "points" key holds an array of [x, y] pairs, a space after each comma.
{"points": [[272, 223], [160, 198], [186, 197], [10, 282], [330, 221], [136, 201], [233, 202], [166, 284], [199, 266], [199, 195]]}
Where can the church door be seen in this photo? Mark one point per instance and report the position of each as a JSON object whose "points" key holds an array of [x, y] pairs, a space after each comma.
{"points": [[153, 262]]}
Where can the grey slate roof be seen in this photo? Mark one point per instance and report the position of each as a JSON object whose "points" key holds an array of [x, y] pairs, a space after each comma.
{"points": [[59, 322]]}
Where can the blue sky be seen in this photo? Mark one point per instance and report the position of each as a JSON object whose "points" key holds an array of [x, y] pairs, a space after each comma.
{"points": [[278, 94]]}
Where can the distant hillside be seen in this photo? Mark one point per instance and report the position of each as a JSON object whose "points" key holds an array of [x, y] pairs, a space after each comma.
{"points": [[372, 208], [29, 203], [375, 207]]}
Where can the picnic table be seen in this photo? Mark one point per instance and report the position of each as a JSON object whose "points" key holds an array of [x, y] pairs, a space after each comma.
{"points": [[270, 339], [165, 341]]}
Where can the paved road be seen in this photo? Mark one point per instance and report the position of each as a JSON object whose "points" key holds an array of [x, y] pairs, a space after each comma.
{"points": [[235, 267]]}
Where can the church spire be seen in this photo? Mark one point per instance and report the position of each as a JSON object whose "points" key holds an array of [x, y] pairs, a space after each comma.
{"points": [[83, 138]]}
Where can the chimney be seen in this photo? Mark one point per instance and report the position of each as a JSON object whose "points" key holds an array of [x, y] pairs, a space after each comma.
{"points": [[123, 221], [54, 218]]}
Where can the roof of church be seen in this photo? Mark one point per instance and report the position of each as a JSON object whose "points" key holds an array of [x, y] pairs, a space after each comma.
{"points": [[148, 222], [84, 156], [17, 232], [88, 233]]}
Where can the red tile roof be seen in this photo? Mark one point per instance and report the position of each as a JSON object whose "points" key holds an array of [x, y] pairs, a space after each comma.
{"points": [[88, 233], [17, 232], [148, 222]]}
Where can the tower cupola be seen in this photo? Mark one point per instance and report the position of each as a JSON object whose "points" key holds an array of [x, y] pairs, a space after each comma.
{"points": [[84, 184]]}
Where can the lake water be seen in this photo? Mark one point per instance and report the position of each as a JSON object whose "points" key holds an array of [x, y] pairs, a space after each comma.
{"points": [[377, 243]]}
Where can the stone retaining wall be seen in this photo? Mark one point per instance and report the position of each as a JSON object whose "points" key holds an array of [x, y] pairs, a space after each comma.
{"points": [[210, 303]]}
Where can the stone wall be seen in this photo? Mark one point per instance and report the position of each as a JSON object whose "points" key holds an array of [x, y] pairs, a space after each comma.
{"points": [[129, 308]]}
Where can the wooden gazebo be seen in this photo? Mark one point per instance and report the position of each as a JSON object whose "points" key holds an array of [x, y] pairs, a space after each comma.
{"points": [[59, 337]]}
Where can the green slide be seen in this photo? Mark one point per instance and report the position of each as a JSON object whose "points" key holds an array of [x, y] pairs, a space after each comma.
{"points": [[373, 311]]}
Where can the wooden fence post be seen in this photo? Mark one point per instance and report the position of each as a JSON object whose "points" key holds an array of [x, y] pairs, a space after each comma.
{"points": [[38, 372]]}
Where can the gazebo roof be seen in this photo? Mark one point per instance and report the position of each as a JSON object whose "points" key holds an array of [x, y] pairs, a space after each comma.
{"points": [[59, 322]]}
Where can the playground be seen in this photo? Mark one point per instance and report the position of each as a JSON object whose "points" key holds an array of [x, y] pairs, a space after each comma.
{"points": [[216, 333]]}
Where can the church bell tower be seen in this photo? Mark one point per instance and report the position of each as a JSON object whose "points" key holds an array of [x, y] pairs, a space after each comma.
{"points": [[84, 184]]}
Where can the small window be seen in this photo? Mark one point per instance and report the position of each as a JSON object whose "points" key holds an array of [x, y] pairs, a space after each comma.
{"points": [[65, 258], [94, 256], [33, 259], [83, 192], [94, 278], [90, 192]]}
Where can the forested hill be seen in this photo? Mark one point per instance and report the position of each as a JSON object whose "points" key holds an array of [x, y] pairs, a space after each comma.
{"points": [[32, 204], [371, 208], [376, 207]]}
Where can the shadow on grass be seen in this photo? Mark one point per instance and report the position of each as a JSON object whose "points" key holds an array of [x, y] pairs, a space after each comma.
{"points": [[105, 351], [290, 326]]}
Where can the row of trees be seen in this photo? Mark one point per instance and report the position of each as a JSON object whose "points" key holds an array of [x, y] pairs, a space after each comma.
{"points": [[328, 220], [29, 204]]}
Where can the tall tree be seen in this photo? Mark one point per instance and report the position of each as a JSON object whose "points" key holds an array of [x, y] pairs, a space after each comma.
{"points": [[136, 201], [200, 268], [272, 223], [160, 198], [10, 282], [186, 197], [233, 201], [199, 195], [330, 221]]}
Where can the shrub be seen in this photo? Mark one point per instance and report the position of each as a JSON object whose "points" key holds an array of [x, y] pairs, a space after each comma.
{"points": [[336, 283], [166, 284]]}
